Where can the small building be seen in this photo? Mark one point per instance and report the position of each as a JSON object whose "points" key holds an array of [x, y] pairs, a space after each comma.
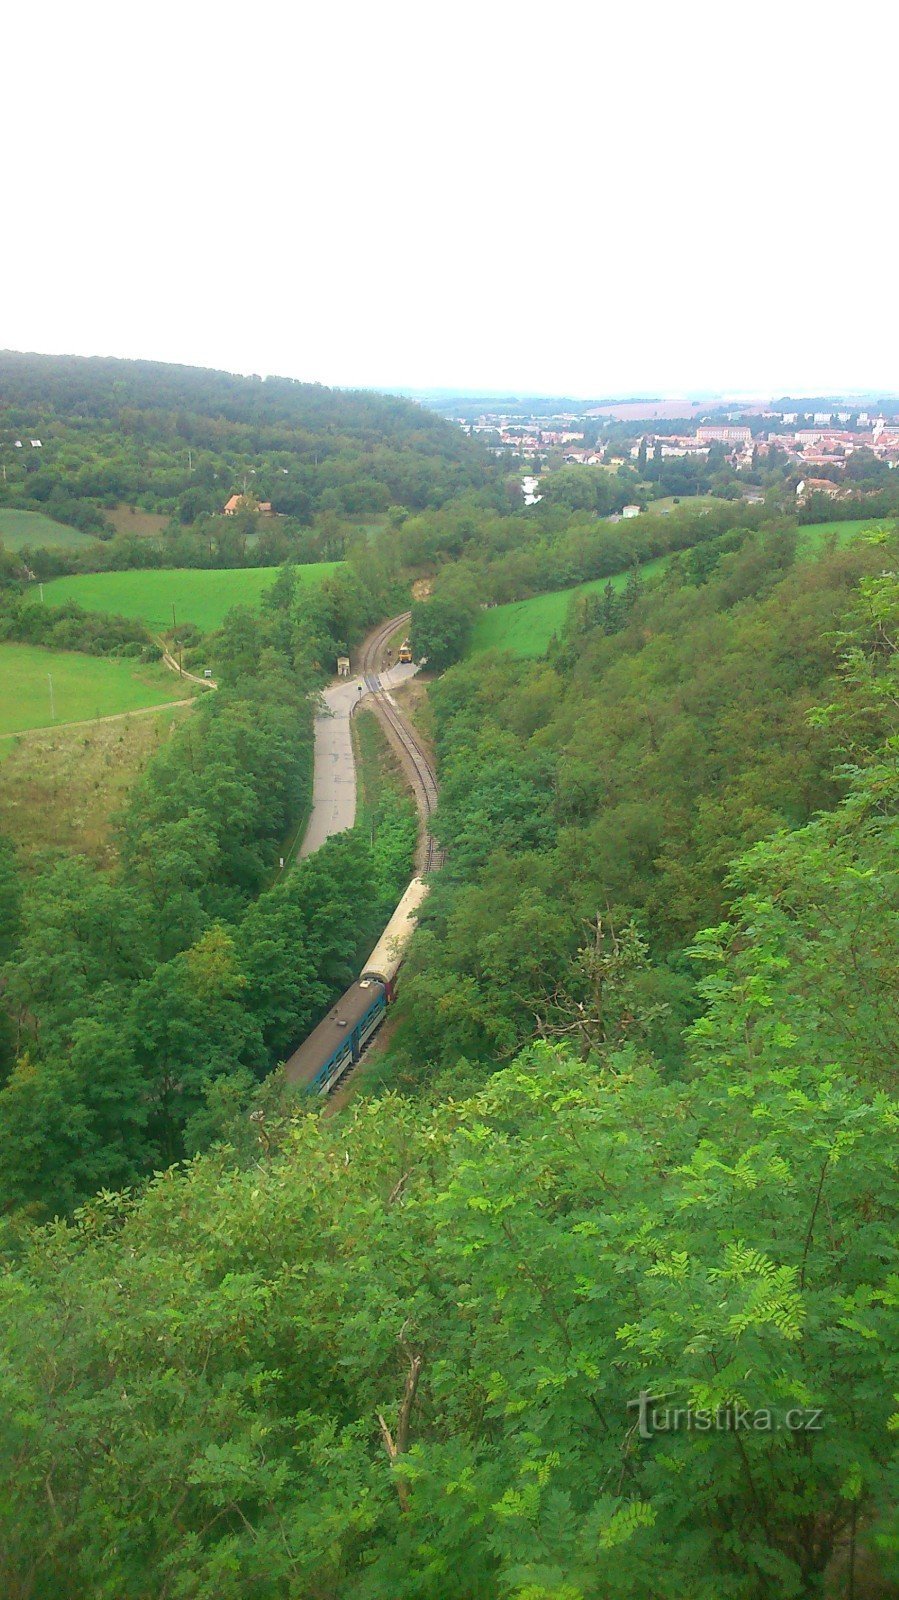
{"points": [[343, 666], [630, 511], [723, 434], [809, 486], [246, 502]]}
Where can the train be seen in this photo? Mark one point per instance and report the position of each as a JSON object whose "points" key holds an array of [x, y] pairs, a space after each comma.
{"points": [[337, 1043]]}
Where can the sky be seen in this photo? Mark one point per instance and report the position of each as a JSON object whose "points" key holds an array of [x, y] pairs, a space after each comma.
{"points": [[589, 200]]}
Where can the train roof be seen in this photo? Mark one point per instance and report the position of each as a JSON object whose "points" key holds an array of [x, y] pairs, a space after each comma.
{"points": [[391, 947], [322, 1042]]}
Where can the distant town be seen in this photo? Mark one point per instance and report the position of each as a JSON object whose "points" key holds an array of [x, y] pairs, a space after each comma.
{"points": [[817, 445]]}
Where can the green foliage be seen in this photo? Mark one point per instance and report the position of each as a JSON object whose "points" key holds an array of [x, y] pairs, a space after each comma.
{"points": [[497, 1281], [441, 629], [70, 627], [179, 441], [620, 780]]}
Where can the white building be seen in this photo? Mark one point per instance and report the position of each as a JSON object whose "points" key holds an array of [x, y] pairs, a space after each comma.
{"points": [[726, 434]]}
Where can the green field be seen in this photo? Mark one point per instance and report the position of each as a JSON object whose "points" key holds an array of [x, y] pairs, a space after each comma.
{"points": [[813, 537], [32, 528], [83, 687], [197, 594], [692, 502], [525, 627]]}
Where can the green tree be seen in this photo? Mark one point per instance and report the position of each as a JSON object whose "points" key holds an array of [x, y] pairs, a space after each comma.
{"points": [[441, 629]]}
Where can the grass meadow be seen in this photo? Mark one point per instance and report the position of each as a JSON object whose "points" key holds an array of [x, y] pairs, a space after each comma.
{"points": [[31, 529], [84, 687], [199, 595], [61, 788], [525, 627]]}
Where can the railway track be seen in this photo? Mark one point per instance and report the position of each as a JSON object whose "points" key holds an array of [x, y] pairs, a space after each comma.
{"points": [[421, 769]]}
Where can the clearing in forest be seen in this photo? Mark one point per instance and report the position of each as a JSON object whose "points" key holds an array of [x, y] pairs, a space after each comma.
{"points": [[61, 788], [199, 594], [525, 627]]}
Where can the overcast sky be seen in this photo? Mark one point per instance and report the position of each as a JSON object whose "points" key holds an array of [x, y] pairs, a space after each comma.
{"points": [[587, 199]]}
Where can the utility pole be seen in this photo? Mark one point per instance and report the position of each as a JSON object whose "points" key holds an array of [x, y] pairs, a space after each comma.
{"points": [[52, 705]]}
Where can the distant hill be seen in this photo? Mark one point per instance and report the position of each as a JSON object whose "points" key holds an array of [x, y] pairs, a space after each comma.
{"points": [[179, 441]]}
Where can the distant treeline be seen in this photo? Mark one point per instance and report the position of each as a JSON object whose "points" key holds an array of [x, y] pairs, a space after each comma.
{"points": [[70, 627]]}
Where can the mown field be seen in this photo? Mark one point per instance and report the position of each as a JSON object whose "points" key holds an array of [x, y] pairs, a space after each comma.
{"points": [[31, 529], [813, 537], [525, 627], [84, 687], [61, 788], [198, 595]]}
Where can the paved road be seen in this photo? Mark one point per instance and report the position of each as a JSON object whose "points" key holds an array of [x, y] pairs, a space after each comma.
{"points": [[334, 779]]}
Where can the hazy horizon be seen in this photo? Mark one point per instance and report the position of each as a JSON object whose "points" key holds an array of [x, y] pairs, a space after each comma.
{"points": [[398, 200], [435, 392]]}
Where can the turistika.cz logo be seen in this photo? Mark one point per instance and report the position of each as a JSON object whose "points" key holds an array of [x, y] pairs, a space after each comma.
{"points": [[655, 1417]]}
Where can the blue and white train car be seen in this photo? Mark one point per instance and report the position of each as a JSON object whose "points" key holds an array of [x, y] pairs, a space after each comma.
{"points": [[338, 1041]]}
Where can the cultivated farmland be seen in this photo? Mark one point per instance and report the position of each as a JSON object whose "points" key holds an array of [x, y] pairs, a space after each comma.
{"points": [[199, 595], [83, 687]]}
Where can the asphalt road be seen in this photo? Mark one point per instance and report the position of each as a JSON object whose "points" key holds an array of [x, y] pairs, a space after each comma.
{"points": [[334, 777]]}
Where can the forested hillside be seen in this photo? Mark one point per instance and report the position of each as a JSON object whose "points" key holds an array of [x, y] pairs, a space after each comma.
{"points": [[401, 1352], [627, 1132], [592, 802], [180, 441], [139, 1004]]}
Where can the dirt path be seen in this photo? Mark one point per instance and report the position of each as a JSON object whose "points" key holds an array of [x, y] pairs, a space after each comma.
{"points": [[91, 722], [171, 663]]}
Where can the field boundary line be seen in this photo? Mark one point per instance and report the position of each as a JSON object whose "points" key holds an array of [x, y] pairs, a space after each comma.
{"points": [[91, 722]]}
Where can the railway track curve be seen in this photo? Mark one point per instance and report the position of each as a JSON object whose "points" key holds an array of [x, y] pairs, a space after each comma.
{"points": [[417, 761]]}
